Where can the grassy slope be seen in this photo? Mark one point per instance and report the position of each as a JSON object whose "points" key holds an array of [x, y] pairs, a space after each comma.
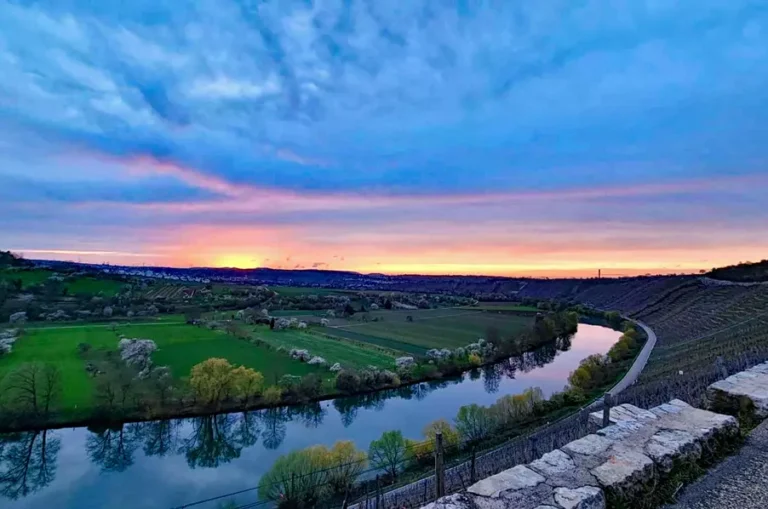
{"points": [[332, 350], [180, 346], [451, 330]]}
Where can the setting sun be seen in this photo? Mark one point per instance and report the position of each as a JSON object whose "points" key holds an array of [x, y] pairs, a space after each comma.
{"points": [[237, 261]]}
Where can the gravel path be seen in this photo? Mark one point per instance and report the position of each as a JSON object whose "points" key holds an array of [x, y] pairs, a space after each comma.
{"points": [[639, 363], [740, 482]]}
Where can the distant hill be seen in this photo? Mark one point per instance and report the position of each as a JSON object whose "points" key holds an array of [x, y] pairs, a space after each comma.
{"points": [[8, 259], [742, 273]]}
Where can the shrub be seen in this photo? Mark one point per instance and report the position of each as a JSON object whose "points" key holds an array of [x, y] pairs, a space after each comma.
{"points": [[474, 359], [348, 381], [310, 386], [591, 373]]}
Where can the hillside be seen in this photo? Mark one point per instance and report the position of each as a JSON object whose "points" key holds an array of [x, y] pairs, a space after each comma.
{"points": [[742, 273]]}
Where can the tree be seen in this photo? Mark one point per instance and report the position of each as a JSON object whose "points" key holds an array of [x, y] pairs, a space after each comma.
{"points": [[35, 388], [388, 452], [298, 479], [349, 310], [212, 380], [247, 382], [424, 451], [346, 463], [474, 423]]}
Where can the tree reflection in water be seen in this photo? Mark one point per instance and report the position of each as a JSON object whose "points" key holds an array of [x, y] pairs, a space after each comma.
{"points": [[213, 441], [274, 420], [27, 462], [160, 437], [112, 448]]}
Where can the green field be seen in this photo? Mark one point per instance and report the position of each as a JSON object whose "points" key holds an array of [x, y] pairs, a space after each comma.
{"points": [[504, 306], [446, 328], [180, 347], [91, 285], [332, 350], [298, 312], [298, 290], [28, 277]]}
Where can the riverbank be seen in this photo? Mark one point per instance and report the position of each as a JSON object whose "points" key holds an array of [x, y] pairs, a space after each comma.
{"points": [[122, 394], [214, 455]]}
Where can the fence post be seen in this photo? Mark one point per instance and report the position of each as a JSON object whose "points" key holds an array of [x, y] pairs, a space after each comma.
{"points": [[608, 401], [439, 467], [534, 447], [721, 369], [472, 467], [366, 497], [378, 493]]}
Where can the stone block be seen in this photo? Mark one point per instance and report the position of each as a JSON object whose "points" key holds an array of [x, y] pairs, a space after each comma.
{"points": [[747, 390], [514, 479], [625, 473], [669, 447], [587, 497]]}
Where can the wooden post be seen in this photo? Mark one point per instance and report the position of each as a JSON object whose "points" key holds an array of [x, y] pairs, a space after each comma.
{"points": [[608, 401], [472, 468], [439, 467], [535, 446], [378, 493], [366, 497]]}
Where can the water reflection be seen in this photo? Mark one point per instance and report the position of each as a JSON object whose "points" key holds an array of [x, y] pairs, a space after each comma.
{"points": [[242, 446], [27, 462], [112, 448]]}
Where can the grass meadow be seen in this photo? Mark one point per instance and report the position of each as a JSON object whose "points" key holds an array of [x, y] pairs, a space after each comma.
{"points": [[446, 328], [331, 349], [180, 347]]}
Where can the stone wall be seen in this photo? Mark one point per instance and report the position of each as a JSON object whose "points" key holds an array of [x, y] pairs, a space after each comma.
{"points": [[743, 392], [607, 468]]}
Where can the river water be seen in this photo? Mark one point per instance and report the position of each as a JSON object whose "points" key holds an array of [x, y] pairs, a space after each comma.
{"points": [[170, 463]]}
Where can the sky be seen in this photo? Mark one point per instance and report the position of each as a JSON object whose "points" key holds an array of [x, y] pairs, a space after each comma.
{"points": [[530, 137]]}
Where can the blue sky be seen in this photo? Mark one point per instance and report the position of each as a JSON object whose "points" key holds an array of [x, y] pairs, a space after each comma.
{"points": [[502, 137]]}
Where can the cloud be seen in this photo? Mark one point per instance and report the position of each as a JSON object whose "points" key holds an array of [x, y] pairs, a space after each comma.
{"points": [[339, 119]]}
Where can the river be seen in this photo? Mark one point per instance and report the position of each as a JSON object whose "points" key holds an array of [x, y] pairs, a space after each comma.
{"points": [[164, 464]]}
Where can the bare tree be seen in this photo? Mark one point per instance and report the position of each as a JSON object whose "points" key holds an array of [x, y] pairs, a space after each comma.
{"points": [[35, 387]]}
